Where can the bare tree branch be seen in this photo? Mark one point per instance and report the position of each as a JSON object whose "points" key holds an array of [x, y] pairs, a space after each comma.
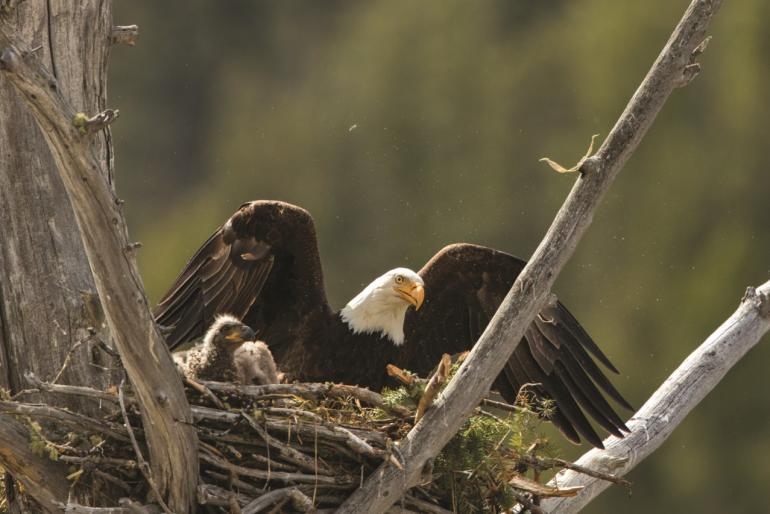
{"points": [[42, 479], [165, 412], [532, 288], [671, 403], [65, 417]]}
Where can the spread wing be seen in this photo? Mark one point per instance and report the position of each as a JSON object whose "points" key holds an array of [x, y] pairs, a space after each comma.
{"points": [[464, 286], [260, 266]]}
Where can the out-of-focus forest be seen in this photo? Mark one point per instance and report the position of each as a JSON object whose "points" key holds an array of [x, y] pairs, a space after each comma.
{"points": [[403, 126]]}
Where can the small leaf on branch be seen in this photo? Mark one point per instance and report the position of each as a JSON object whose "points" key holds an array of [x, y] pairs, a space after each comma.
{"points": [[438, 379]]}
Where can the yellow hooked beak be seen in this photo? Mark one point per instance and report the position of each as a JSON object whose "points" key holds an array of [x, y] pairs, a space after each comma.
{"points": [[412, 293], [240, 335]]}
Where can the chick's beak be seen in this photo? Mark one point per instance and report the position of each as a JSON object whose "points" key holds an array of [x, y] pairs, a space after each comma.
{"points": [[412, 293], [240, 335]]}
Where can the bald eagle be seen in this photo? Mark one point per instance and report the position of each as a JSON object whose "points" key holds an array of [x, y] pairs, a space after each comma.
{"points": [[263, 266]]}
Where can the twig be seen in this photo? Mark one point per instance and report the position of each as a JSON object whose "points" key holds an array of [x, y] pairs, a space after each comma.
{"points": [[135, 507], [673, 400], [531, 290], [503, 406], [81, 391], [402, 376], [285, 451], [353, 438], [209, 494], [542, 490], [298, 500], [277, 476], [310, 390], [424, 506], [98, 460], [255, 491], [561, 169], [124, 35], [128, 506], [112, 479], [271, 464], [284, 411], [90, 125], [142, 464], [205, 391], [434, 386], [66, 417], [541, 464], [68, 357], [528, 504]]}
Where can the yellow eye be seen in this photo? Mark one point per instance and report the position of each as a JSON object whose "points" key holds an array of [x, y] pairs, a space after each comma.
{"points": [[399, 279]]}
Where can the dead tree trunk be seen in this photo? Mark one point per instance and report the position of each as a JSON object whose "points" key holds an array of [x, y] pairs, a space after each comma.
{"points": [[167, 422], [48, 301], [49, 310]]}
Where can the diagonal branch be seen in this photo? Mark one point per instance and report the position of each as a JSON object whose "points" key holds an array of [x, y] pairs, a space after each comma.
{"points": [[532, 288], [671, 403], [165, 412]]}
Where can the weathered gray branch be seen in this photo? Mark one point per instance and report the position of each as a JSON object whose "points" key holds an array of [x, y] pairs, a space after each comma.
{"points": [[671, 403], [165, 412], [127, 507], [532, 288], [42, 479], [65, 417]]}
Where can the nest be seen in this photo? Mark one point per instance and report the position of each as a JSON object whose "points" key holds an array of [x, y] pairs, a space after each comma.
{"points": [[287, 448]]}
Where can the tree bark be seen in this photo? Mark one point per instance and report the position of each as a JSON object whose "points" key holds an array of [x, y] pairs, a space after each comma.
{"points": [[167, 421], [48, 299], [671, 403], [49, 309], [674, 67]]}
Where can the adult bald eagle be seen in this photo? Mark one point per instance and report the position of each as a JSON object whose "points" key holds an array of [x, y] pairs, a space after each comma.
{"points": [[263, 267]]}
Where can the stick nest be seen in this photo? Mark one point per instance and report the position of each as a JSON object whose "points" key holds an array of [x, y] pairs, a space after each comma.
{"points": [[288, 448]]}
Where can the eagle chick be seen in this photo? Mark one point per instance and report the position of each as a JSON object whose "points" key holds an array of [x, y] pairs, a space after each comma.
{"points": [[214, 358], [254, 364]]}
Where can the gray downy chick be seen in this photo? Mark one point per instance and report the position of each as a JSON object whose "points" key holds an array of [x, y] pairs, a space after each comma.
{"points": [[254, 364], [214, 358]]}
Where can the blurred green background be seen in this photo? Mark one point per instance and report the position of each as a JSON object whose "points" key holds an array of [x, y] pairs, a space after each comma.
{"points": [[403, 126]]}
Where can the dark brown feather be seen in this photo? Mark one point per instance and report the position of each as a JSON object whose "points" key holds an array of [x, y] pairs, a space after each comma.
{"points": [[465, 285], [233, 272]]}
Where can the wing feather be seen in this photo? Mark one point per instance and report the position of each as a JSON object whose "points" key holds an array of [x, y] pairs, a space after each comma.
{"points": [[232, 270], [465, 285], [576, 353]]}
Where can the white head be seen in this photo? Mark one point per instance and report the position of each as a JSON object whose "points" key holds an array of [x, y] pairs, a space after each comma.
{"points": [[381, 306]]}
